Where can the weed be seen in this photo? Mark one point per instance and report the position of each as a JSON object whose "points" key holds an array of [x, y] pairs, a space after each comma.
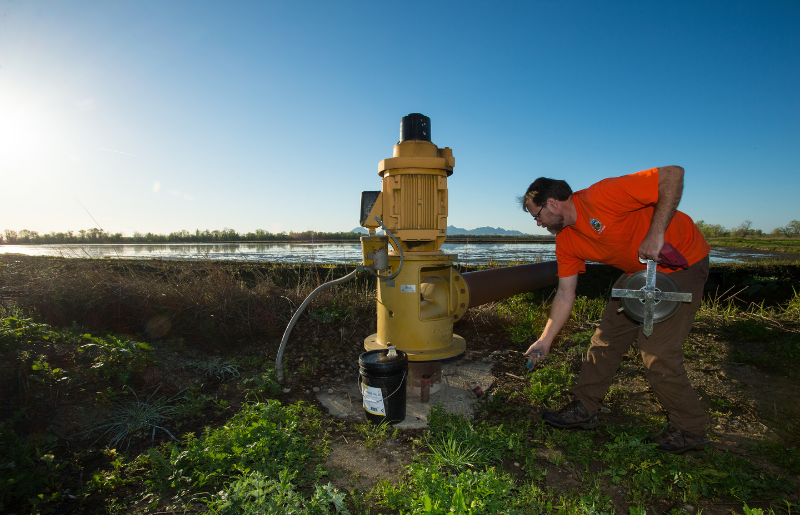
{"points": [[217, 367], [722, 403], [749, 330], [527, 319], [114, 358], [587, 310], [533, 470], [375, 434], [264, 437], [576, 444], [581, 338], [134, 418], [427, 490], [17, 332], [648, 474], [193, 403], [256, 493], [308, 368], [329, 314], [498, 401], [29, 472], [46, 374], [262, 383], [547, 383]]}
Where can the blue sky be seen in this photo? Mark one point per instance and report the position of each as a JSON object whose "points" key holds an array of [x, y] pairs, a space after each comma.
{"points": [[161, 116]]}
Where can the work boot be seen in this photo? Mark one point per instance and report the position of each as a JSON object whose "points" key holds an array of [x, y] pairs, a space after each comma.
{"points": [[677, 441], [573, 415]]}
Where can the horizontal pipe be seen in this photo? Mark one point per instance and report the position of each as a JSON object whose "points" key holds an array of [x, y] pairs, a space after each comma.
{"points": [[502, 283]]}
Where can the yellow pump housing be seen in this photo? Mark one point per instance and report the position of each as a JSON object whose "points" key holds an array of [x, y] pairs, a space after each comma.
{"points": [[417, 307]]}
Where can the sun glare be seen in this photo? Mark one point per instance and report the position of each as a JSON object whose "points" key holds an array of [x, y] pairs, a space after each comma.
{"points": [[27, 134]]}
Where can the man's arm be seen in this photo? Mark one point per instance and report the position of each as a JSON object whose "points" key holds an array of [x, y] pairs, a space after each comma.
{"points": [[670, 189], [559, 314]]}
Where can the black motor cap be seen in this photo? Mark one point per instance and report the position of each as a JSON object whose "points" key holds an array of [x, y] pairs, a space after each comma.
{"points": [[415, 126]]}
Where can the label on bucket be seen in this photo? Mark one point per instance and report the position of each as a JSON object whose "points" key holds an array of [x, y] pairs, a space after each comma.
{"points": [[408, 288], [373, 400]]}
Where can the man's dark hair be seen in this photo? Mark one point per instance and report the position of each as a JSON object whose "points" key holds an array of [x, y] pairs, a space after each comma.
{"points": [[542, 189]]}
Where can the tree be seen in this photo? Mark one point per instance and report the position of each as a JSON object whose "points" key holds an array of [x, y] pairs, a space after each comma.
{"points": [[711, 231], [743, 229]]}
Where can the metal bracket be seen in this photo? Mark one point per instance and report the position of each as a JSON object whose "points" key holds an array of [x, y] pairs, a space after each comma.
{"points": [[650, 295]]}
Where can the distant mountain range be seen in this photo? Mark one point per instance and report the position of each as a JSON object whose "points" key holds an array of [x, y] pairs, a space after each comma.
{"points": [[458, 231]]}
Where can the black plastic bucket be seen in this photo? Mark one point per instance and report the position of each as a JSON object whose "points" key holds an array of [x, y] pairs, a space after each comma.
{"points": [[383, 385]]}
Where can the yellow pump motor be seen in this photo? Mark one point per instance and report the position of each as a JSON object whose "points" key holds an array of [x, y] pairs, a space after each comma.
{"points": [[418, 300]]}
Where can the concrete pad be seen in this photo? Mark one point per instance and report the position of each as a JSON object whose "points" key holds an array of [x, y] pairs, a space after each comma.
{"points": [[458, 380]]}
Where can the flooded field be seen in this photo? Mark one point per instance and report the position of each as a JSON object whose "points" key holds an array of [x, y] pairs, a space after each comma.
{"points": [[468, 253]]}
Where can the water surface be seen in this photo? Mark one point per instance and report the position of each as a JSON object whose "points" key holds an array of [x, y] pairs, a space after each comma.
{"points": [[468, 253]]}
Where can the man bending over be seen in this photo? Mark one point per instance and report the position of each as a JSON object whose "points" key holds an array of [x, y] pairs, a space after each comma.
{"points": [[617, 221]]}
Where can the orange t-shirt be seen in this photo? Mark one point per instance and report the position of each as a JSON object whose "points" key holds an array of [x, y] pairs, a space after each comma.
{"points": [[613, 218]]}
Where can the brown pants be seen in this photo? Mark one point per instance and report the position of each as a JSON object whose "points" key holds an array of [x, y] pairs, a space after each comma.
{"points": [[662, 353]]}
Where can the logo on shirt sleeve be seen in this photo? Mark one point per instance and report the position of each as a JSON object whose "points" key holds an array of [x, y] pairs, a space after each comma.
{"points": [[596, 225]]}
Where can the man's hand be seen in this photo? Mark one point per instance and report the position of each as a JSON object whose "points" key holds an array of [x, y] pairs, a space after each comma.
{"points": [[651, 246], [559, 314], [537, 352]]}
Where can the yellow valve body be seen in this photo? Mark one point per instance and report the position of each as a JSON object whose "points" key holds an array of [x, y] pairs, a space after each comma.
{"points": [[416, 315]]}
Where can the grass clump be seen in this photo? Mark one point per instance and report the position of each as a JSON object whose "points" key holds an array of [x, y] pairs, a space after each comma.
{"points": [[495, 441], [131, 419], [587, 310], [218, 367], [451, 454]]}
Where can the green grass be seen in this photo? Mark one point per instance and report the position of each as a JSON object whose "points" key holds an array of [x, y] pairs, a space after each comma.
{"points": [[759, 243], [525, 318], [237, 450], [428, 490]]}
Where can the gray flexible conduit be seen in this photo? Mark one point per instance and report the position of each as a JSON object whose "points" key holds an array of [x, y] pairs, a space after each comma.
{"points": [[293, 321], [304, 305]]}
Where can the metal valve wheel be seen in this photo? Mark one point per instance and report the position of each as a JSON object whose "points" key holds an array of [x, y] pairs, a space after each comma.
{"points": [[650, 297], [662, 309]]}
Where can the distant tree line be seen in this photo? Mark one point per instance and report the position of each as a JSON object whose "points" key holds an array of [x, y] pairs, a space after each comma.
{"points": [[95, 235], [745, 229]]}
